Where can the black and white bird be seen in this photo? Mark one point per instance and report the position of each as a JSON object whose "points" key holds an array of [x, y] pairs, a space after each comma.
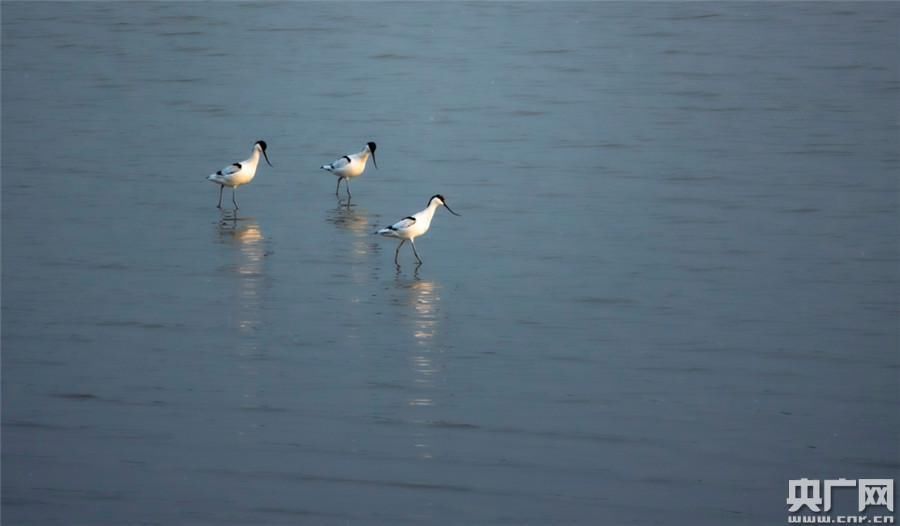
{"points": [[350, 166], [239, 174], [411, 227]]}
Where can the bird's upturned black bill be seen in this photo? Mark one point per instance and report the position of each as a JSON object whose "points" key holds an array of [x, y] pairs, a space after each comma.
{"points": [[373, 160], [267, 157], [451, 211]]}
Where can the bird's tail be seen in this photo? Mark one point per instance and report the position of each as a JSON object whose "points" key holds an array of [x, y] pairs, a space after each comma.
{"points": [[390, 232], [327, 167]]}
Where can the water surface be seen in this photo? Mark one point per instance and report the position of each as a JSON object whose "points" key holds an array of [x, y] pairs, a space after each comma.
{"points": [[673, 288]]}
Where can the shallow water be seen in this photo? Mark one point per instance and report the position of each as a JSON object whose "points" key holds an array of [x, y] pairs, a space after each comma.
{"points": [[673, 288]]}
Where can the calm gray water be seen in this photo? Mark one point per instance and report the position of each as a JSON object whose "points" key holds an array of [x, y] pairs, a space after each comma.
{"points": [[673, 288]]}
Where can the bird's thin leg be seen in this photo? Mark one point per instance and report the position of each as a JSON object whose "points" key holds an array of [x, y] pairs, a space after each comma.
{"points": [[349, 195], [221, 188], [397, 252], [413, 243], [233, 190], [336, 188]]}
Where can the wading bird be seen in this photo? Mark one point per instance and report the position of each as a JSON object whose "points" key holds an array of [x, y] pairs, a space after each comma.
{"points": [[239, 174], [350, 166], [411, 227]]}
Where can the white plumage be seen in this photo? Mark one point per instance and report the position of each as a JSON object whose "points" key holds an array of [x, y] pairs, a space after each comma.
{"points": [[350, 166], [411, 227], [239, 174]]}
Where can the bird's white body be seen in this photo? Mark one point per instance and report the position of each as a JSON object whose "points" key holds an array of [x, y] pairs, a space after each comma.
{"points": [[349, 166], [238, 174], [411, 227]]}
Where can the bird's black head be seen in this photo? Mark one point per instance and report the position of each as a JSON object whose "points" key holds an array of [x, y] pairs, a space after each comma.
{"points": [[262, 146], [371, 146], [442, 201]]}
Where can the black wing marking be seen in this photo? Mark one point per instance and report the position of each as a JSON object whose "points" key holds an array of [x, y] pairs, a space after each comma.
{"points": [[238, 165], [406, 222], [338, 163]]}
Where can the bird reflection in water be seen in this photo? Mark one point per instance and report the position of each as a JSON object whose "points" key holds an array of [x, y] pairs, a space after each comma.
{"points": [[245, 235], [351, 218], [422, 299], [249, 282], [354, 220]]}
